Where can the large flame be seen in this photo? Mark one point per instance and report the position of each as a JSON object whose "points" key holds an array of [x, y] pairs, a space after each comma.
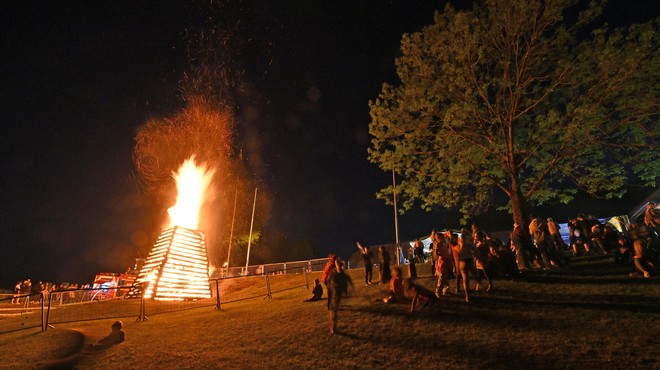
{"points": [[192, 182]]}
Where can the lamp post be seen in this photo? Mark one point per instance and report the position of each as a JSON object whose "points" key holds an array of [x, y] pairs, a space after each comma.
{"points": [[254, 205], [396, 219], [231, 232]]}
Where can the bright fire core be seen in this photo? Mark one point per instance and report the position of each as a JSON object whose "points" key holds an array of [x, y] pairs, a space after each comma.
{"points": [[192, 183]]}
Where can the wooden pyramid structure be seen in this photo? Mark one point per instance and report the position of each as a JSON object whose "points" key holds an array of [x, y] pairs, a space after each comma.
{"points": [[176, 268]]}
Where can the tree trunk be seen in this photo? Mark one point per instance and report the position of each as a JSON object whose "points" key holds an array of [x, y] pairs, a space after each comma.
{"points": [[517, 202], [518, 208]]}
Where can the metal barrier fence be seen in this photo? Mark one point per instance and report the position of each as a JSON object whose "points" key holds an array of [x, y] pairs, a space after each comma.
{"points": [[282, 280], [93, 304], [239, 288], [232, 289], [295, 266], [21, 312], [73, 305], [281, 267]]}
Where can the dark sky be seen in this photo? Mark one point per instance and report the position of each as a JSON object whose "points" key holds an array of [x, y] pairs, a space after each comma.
{"points": [[80, 77]]}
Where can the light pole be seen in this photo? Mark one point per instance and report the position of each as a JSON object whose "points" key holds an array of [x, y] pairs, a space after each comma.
{"points": [[231, 232], [254, 205], [396, 219]]}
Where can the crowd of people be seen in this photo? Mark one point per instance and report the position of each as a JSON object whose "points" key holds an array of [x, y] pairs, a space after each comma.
{"points": [[28, 291], [459, 256]]}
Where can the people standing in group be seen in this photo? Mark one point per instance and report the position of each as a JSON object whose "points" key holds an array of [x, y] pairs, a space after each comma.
{"points": [[452, 240], [501, 260], [652, 218], [15, 299], [519, 246], [584, 225], [444, 264], [338, 284], [555, 236], [466, 254], [597, 238], [384, 268], [412, 268], [538, 229], [481, 257], [435, 238], [419, 250]]}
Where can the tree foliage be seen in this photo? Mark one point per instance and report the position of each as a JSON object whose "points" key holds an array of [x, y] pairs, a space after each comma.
{"points": [[523, 98]]}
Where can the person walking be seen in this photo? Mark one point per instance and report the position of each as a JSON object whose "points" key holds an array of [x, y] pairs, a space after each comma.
{"points": [[338, 284], [327, 269]]}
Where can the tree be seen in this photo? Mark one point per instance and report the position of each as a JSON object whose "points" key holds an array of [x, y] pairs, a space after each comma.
{"points": [[527, 99]]}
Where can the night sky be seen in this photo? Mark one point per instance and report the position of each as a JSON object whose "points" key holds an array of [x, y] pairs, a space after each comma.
{"points": [[79, 78]]}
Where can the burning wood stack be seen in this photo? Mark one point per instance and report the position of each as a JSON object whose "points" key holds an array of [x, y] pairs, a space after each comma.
{"points": [[177, 266]]}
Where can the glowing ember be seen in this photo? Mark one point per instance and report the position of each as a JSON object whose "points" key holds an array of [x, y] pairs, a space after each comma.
{"points": [[192, 183]]}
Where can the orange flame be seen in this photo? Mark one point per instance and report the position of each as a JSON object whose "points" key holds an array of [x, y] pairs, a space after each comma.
{"points": [[192, 183]]}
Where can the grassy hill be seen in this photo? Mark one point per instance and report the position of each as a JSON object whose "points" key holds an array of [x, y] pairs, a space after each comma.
{"points": [[591, 315]]}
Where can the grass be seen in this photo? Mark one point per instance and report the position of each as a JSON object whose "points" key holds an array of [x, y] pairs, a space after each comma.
{"points": [[591, 315]]}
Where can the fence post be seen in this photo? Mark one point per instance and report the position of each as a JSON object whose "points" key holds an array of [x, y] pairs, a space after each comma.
{"points": [[50, 299], [306, 279], [42, 312], [142, 316], [269, 294], [217, 294]]}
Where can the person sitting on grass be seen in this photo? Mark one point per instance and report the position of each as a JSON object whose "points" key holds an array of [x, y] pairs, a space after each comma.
{"points": [[418, 295], [116, 336], [641, 262], [317, 292], [396, 292]]}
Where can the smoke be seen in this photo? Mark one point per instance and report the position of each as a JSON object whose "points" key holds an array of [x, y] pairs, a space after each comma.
{"points": [[206, 126]]}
